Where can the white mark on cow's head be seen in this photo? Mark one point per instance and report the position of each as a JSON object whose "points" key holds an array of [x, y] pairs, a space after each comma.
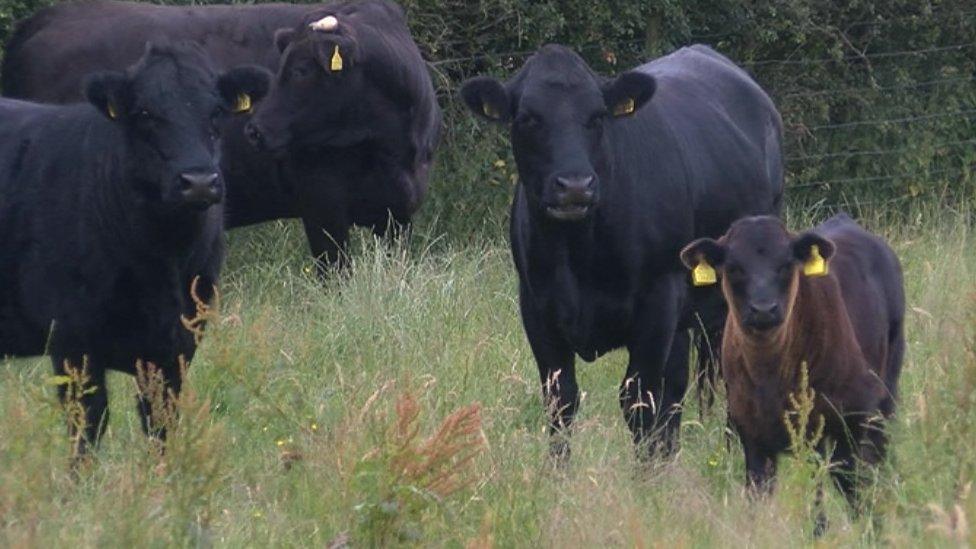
{"points": [[328, 23]]}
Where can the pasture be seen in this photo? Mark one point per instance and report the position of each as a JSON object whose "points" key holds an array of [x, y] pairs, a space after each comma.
{"points": [[341, 415]]}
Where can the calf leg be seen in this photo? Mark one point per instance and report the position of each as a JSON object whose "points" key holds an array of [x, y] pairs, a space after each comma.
{"points": [[657, 375], [760, 468], [844, 473]]}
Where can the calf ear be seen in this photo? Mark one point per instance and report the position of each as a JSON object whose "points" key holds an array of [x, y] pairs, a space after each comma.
{"points": [[283, 37], [241, 87], [627, 93], [814, 251], [106, 90], [487, 98]]}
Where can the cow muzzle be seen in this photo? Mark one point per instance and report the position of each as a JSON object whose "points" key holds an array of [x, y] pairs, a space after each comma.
{"points": [[200, 189], [575, 197], [764, 316]]}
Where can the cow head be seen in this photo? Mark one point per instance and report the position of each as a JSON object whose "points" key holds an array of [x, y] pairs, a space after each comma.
{"points": [[559, 111], [318, 89], [759, 263], [169, 106]]}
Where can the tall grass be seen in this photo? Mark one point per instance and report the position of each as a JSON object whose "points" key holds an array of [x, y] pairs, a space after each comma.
{"points": [[311, 409]]}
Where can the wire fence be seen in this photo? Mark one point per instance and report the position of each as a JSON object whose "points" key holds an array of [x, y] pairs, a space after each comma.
{"points": [[884, 143]]}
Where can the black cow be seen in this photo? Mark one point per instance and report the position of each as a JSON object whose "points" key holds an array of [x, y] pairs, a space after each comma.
{"points": [[358, 147], [615, 175], [108, 212]]}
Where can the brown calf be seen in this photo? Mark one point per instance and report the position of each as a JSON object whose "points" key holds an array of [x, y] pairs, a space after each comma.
{"points": [[831, 298]]}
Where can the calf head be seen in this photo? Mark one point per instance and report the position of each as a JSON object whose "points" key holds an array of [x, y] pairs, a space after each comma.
{"points": [[558, 111], [169, 106], [759, 263], [319, 86]]}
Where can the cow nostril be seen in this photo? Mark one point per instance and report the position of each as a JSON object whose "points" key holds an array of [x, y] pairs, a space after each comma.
{"points": [[764, 308], [579, 183], [198, 180]]}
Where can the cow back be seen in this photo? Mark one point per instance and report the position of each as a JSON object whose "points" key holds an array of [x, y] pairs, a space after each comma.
{"points": [[52, 51]]}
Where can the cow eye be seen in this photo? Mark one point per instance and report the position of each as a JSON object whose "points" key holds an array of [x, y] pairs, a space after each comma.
{"points": [[733, 270], [528, 120], [596, 120], [784, 269], [300, 71]]}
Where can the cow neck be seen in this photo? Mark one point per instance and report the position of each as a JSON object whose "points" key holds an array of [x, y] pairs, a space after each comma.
{"points": [[136, 229], [560, 245], [817, 332]]}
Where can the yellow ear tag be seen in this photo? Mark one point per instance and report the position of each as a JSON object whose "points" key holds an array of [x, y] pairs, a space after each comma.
{"points": [[703, 274], [243, 103], [816, 265], [110, 108], [625, 107], [336, 60]]}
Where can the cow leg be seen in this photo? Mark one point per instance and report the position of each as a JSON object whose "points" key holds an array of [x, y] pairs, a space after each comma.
{"points": [[327, 242], [557, 374], [159, 390], [657, 374], [708, 324], [159, 377], [84, 397]]}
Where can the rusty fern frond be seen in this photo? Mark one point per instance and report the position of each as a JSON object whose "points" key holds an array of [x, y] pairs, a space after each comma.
{"points": [[205, 312]]}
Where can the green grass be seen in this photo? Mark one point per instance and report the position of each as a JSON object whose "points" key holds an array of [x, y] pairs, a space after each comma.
{"points": [[288, 436]]}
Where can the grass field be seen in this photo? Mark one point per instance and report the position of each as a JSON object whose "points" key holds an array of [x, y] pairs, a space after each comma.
{"points": [[298, 423]]}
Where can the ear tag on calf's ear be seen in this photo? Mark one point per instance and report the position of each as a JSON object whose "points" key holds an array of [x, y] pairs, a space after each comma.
{"points": [[816, 265], [243, 103], [625, 107], [110, 108], [336, 65], [703, 274]]}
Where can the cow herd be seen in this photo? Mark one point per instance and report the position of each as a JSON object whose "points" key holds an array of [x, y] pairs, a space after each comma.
{"points": [[645, 215]]}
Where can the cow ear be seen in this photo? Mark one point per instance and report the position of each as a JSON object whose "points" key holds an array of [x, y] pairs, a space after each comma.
{"points": [[702, 257], [241, 87], [106, 91], [814, 251], [487, 98], [283, 37], [627, 93]]}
